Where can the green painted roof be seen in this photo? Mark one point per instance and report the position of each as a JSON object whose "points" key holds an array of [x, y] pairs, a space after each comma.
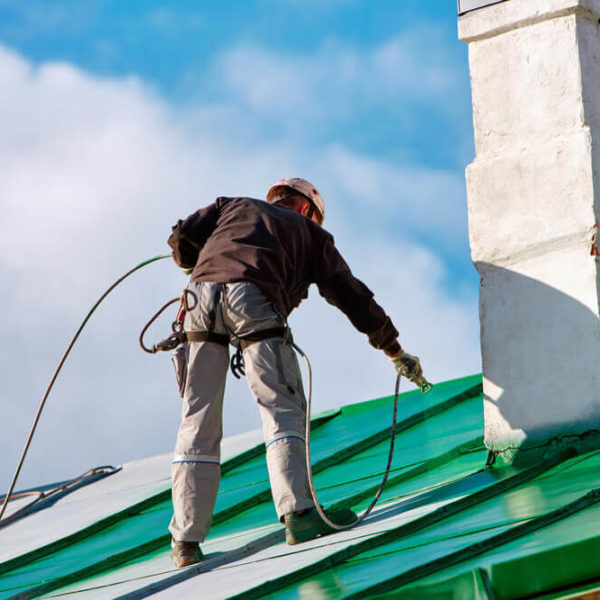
{"points": [[447, 525]]}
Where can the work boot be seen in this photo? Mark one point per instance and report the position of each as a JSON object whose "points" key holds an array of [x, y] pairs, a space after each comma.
{"points": [[307, 524], [185, 553]]}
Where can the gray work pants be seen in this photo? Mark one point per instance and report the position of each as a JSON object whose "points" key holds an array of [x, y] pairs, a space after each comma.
{"points": [[274, 379]]}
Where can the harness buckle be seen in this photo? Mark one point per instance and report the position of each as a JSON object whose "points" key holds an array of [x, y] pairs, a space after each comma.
{"points": [[171, 342]]}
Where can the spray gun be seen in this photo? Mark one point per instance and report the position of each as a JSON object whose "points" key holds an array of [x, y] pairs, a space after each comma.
{"points": [[409, 366], [425, 386]]}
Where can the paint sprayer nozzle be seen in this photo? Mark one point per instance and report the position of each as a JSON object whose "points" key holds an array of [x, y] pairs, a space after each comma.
{"points": [[425, 386]]}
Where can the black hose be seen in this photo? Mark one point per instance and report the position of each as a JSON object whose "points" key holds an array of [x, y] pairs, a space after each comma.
{"points": [[311, 484], [154, 349], [59, 367]]}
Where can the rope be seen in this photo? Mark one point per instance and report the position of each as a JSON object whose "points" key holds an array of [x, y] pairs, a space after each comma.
{"points": [[58, 369], [311, 484]]}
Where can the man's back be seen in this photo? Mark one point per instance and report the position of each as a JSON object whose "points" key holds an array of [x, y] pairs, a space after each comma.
{"points": [[242, 239], [282, 252]]}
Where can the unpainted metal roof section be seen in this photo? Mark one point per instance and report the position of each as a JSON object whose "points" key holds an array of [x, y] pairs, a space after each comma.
{"points": [[465, 6]]}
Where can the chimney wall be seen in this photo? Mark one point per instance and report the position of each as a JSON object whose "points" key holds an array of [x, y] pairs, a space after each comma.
{"points": [[533, 195]]}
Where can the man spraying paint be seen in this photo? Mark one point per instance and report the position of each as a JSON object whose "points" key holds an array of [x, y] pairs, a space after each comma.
{"points": [[251, 263]]}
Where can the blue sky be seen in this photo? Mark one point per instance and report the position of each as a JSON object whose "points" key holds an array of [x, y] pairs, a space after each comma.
{"points": [[172, 47], [117, 118]]}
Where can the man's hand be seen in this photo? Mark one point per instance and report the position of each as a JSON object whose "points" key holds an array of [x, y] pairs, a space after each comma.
{"points": [[409, 366]]}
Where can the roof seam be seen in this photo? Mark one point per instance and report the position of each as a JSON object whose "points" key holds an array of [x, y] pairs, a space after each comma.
{"points": [[405, 529], [581, 503], [106, 522], [401, 426], [418, 470]]}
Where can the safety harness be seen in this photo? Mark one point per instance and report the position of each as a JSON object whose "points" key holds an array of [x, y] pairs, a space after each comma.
{"points": [[181, 336]]}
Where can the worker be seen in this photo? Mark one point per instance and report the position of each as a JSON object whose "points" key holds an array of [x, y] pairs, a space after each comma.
{"points": [[251, 263]]}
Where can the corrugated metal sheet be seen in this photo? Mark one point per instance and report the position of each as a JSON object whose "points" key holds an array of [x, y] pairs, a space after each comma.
{"points": [[448, 526]]}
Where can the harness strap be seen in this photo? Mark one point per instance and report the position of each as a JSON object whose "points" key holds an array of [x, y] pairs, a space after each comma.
{"points": [[180, 337], [245, 340], [207, 336], [263, 334]]}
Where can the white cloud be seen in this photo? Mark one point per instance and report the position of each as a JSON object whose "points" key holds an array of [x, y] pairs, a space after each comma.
{"points": [[414, 199], [92, 174], [417, 66]]}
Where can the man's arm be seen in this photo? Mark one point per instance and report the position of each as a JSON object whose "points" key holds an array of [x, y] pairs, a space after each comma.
{"points": [[188, 236], [339, 287]]}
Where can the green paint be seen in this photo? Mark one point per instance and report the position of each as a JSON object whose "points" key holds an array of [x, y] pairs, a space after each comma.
{"points": [[244, 496]]}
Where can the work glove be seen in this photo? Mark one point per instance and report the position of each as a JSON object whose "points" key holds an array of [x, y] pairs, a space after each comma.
{"points": [[409, 366]]}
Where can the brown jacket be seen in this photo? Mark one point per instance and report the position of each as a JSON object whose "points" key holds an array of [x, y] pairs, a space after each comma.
{"points": [[281, 251]]}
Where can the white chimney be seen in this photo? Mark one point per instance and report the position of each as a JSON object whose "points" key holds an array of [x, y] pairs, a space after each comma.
{"points": [[534, 205]]}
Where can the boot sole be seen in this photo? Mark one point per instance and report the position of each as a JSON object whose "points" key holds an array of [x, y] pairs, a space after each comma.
{"points": [[297, 531], [298, 537], [185, 561]]}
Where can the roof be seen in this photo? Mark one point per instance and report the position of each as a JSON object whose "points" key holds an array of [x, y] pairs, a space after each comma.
{"points": [[447, 525]]}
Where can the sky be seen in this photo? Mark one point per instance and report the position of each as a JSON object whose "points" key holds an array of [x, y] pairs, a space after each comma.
{"points": [[118, 118]]}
